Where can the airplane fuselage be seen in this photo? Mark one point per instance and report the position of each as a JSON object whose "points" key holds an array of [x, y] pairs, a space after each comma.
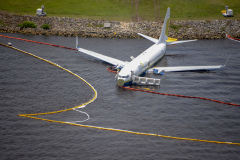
{"points": [[141, 63]]}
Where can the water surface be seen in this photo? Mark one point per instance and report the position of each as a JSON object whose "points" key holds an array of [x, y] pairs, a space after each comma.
{"points": [[29, 85]]}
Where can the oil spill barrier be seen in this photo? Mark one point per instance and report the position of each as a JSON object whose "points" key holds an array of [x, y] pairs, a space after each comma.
{"points": [[103, 128], [82, 105], [54, 45], [177, 95], [111, 69], [231, 38]]}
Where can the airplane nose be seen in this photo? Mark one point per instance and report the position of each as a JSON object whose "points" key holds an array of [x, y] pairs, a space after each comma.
{"points": [[121, 82]]}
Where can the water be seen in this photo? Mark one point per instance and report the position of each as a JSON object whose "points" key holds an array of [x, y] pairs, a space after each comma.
{"points": [[29, 85]]}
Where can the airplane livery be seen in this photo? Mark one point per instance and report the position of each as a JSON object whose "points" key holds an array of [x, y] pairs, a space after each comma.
{"points": [[131, 72]]}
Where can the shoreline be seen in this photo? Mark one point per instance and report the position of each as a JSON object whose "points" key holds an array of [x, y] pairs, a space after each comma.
{"points": [[64, 26]]}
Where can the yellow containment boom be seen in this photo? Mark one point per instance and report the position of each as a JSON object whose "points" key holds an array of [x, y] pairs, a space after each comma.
{"points": [[171, 39]]}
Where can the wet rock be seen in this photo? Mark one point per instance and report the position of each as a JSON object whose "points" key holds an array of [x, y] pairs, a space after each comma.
{"points": [[64, 26]]}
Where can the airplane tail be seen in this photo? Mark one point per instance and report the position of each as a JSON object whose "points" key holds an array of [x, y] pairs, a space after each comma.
{"points": [[164, 32]]}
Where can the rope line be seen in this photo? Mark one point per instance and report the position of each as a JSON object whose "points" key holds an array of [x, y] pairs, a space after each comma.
{"points": [[95, 96]]}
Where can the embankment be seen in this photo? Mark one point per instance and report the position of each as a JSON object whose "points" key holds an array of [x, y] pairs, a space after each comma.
{"points": [[64, 26]]}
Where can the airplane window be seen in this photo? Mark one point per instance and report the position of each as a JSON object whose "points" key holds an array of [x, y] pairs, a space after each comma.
{"points": [[123, 76]]}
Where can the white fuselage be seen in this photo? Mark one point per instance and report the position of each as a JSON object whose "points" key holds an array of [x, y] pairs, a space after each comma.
{"points": [[141, 63]]}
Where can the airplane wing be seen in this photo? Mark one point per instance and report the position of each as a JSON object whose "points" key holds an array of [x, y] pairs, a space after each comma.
{"points": [[183, 68], [104, 58], [168, 43], [149, 38], [177, 42]]}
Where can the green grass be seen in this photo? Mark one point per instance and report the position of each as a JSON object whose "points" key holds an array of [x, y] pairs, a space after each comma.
{"points": [[122, 9], [27, 24], [46, 26]]}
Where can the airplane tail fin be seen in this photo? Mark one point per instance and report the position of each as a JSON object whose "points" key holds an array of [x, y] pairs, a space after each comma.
{"points": [[164, 32]]}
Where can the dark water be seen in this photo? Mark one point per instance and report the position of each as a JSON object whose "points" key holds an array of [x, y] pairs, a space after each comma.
{"points": [[29, 85]]}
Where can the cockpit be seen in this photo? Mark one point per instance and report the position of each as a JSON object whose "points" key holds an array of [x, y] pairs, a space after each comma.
{"points": [[123, 79]]}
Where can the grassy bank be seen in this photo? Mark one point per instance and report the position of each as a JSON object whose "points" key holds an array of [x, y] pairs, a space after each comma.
{"points": [[125, 10]]}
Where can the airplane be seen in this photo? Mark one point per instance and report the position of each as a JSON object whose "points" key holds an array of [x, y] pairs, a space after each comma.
{"points": [[131, 72]]}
